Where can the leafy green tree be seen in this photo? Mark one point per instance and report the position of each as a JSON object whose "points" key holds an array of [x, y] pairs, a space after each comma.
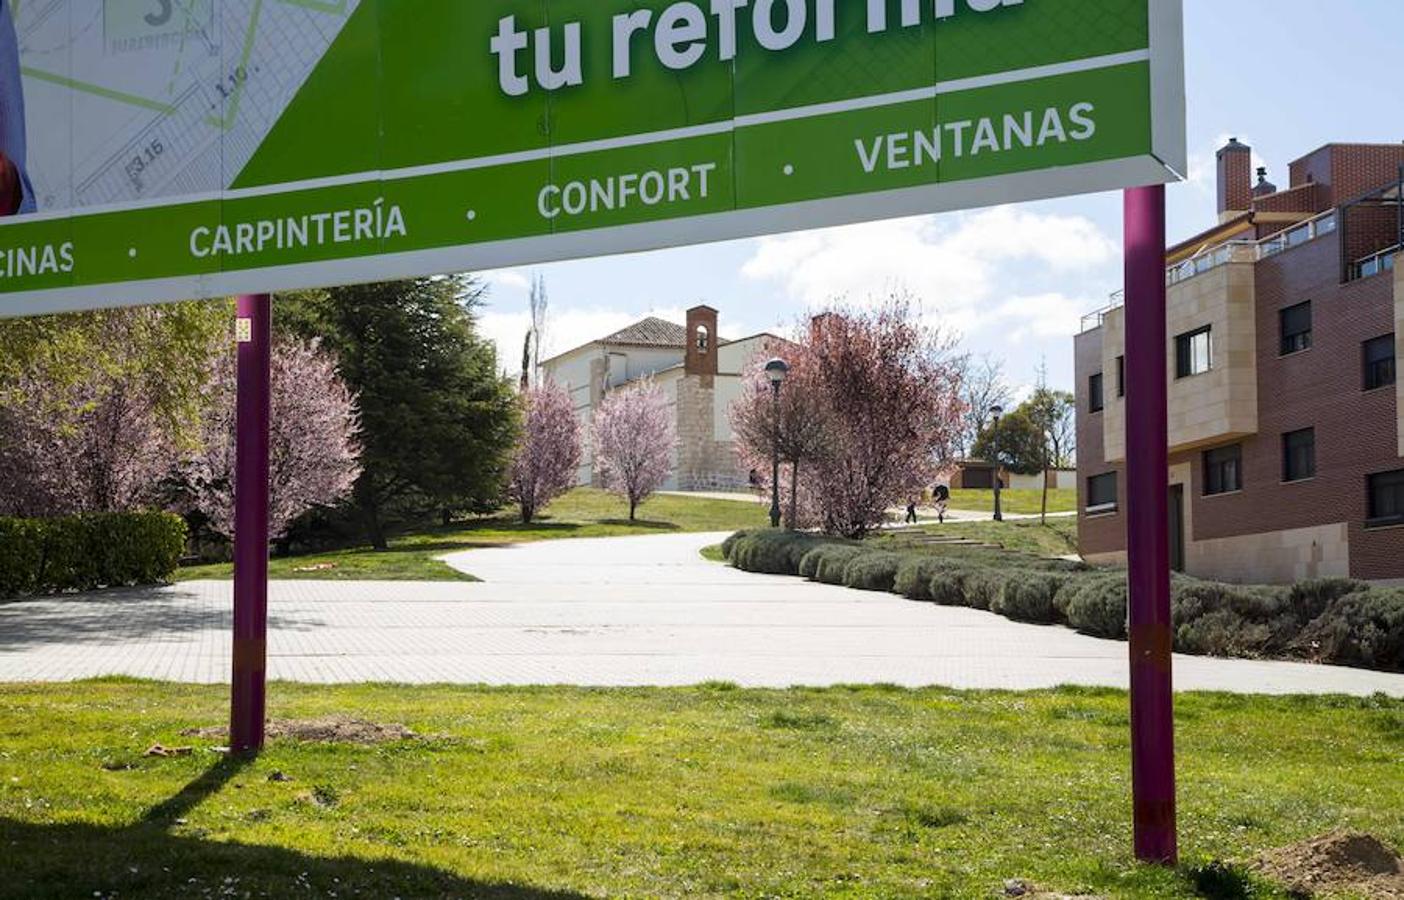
{"points": [[1016, 443], [95, 408], [1054, 412], [438, 422], [166, 349]]}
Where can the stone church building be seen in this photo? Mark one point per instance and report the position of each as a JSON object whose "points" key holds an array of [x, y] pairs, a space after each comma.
{"points": [[699, 373]]}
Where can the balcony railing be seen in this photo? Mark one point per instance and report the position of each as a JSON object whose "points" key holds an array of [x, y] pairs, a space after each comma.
{"points": [[1241, 252], [1376, 264], [1298, 235], [1211, 259]]}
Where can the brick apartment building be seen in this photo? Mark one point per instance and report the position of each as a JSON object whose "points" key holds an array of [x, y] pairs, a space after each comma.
{"points": [[1286, 433]]}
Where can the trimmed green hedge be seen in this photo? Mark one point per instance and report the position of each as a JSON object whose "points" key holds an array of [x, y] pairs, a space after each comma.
{"points": [[1335, 621], [873, 572], [81, 553]]}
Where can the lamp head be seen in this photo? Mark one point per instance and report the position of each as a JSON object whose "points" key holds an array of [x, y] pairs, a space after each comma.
{"points": [[776, 370]]}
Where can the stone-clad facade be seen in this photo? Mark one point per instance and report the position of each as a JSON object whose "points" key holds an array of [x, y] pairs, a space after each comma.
{"points": [[1295, 292], [700, 374]]}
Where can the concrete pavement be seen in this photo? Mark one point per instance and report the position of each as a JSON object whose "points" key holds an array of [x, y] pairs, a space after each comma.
{"points": [[623, 611]]}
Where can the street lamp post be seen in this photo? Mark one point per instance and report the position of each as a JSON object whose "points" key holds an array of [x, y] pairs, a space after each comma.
{"points": [[998, 512], [775, 370]]}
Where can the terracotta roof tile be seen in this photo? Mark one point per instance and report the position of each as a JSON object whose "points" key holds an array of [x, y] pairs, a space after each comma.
{"points": [[650, 332]]}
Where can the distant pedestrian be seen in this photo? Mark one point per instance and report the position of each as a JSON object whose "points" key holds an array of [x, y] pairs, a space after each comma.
{"points": [[912, 512], [757, 484], [941, 497]]}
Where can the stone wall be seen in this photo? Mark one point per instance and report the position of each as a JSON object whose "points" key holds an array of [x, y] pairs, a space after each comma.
{"points": [[704, 463]]}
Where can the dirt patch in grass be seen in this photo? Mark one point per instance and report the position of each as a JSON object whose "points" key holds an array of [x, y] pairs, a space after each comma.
{"points": [[1340, 861], [328, 730]]}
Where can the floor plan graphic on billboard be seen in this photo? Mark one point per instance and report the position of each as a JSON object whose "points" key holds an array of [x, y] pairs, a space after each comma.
{"points": [[145, 99]]}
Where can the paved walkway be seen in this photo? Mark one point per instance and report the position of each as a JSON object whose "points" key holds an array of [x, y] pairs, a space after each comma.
{"points": [[624, 611]]}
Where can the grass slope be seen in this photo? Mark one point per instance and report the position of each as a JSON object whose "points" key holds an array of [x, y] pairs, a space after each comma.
{"points": [[708, 791], [582, 513], [1062, 500], [1057, 538]]}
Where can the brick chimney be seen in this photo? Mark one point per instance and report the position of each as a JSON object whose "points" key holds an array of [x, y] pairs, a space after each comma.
{"points": [[701, 355], [1235, 179]]}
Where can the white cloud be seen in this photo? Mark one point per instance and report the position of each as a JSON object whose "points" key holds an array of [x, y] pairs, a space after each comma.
{"points": [[510, 279], [1204, 168], [1043, 316], [957, 265]]}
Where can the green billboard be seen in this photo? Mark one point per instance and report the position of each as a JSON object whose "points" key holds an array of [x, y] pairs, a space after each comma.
{"points": [[169, 150]]}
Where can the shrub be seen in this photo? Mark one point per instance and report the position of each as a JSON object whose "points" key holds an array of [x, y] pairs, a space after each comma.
{"points": [[1063, 566], [772, 552], [1029, 597], [809, 565], [1359, 628], [1309, 599], [1097, 605], [829, 561], [21, 556], [728, 546], [948, 584], [873, 572], [915, 574], [1215, 619], [983, 587], [88, 551]]}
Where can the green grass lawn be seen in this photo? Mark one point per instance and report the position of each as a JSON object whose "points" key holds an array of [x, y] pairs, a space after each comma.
{"points": [[1057, 538], [582, 513], [697, 792], [1062, 500]]}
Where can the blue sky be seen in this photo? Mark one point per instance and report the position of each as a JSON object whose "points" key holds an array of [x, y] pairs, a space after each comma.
{"points": [[1013, 281]]}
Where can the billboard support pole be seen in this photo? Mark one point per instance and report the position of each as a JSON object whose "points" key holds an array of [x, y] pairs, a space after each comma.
{"points": [[1148, 528], [247, 704]]}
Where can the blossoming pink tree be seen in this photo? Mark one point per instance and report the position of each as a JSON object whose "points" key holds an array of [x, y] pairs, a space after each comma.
{"points": [[95, 446], [634, 436], [547, 457], [893, 387], [872, 407], [314, 450], [799, 428]]}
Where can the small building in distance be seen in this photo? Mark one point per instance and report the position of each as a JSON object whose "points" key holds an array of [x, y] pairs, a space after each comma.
{"points": [[979, 475], [700, 374], [1286, 434]]}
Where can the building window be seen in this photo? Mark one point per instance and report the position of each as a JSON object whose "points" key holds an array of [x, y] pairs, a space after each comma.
{"points": [[1387, 498], [1101, 493], [1223, 470], [1096, 402], [1379, 362], [1194, 353], [1296, 328], [1299, 455], [1121, 376]]}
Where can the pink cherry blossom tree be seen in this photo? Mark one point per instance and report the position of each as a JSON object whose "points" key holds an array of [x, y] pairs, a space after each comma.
{"points": [[106, 453], [314, 459], [547, 458], [871, 409], [892, 384], [798, 427], [634, 436]]}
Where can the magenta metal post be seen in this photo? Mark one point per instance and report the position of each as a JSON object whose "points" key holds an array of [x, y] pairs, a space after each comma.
{"points": [[1148, 528], [254, 337]]}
